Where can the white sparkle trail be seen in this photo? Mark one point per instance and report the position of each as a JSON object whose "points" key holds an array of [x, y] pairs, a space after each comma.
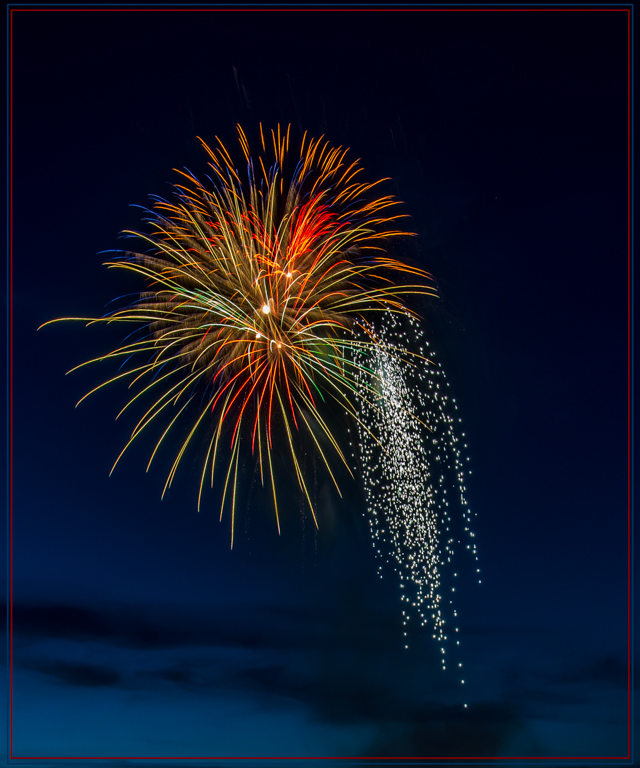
{"points": [[414, 478]]}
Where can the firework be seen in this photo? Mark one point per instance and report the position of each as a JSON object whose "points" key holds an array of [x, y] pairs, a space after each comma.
{"points": [[262, 288], [413, 470], [271, 305]]}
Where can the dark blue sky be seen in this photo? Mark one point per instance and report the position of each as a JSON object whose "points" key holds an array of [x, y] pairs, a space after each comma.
{"points": [[136, 631]]}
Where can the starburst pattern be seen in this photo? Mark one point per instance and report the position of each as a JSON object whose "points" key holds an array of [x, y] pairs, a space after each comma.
{"points": [[256, 289]]}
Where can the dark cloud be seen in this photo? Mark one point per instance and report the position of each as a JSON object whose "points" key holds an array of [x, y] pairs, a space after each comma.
{"points": [[87, 675], [179, 675], [571, 684], [143, 627], [397, 694], [344, 665], [255, 627], [274, 680], [58, 621], [203, 676], [610, 671], [480, 731]]}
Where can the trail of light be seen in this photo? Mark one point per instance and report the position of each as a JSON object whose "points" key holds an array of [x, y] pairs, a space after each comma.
{"points": [[411, 458]]}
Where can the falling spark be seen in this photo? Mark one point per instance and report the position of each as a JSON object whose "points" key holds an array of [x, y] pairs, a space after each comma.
{"points": [[412, 469]]}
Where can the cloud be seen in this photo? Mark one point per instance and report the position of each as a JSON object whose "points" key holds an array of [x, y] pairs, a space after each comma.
{"points": [[343, 664], [86, 675], [480, 731], [139, 627], [58, 621], [609, 671]]}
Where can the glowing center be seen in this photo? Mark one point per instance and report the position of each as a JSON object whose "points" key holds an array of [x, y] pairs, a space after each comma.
{"points": [[266, 309]]}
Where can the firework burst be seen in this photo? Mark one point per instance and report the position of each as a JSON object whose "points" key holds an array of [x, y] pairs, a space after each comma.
{"points": [[271, 307], [261, 287]]}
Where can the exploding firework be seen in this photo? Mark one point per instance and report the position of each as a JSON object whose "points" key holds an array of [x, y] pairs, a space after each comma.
{"points": [[256, 289], [272, 304]]}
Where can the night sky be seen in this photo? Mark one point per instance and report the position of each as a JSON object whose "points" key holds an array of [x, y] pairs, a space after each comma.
{"points": [[136, 630]]}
